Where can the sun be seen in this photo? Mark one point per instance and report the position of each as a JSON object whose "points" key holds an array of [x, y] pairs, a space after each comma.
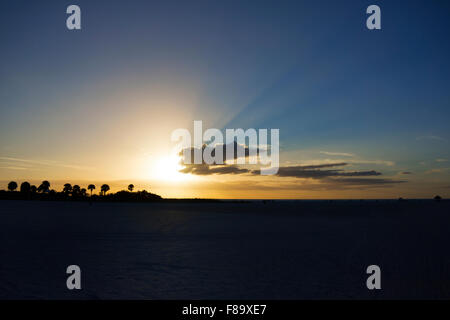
{"points": [[167, 168]]}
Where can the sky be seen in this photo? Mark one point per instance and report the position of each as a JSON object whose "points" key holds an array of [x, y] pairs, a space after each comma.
{"points": [[99, 104]]}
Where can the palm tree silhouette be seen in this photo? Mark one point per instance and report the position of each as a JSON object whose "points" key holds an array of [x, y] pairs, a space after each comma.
{"points": [[104, 189], [76, 190], [12, 186], [33, 189], [131, 187], [83, 192], [44, 187], [91, 187], [25, 187], [67, 188]]}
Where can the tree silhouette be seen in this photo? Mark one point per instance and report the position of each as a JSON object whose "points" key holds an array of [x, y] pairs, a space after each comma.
{"points": [[91, 187], [76, 190], [44, 187], [25, 187], [67, 188], [75, 193], [104, 189], [12, 186]]}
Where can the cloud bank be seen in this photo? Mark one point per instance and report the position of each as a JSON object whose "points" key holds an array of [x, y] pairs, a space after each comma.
{"points": [[329, 172]]}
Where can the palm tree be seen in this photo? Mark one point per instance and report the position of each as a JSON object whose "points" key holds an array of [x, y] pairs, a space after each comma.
{"points": [[104, 189], [12, 186], [76, 190], [130, 187], [83, 192], [33, 189], [44, 187], [25, 187], [91, 187], [67, 188]]}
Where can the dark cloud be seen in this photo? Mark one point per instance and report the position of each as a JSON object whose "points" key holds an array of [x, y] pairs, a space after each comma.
{"points": [[320, 166], [204, 169], [315, 172], [310, 171], [212, 150], [360, 173], [322, 172]]}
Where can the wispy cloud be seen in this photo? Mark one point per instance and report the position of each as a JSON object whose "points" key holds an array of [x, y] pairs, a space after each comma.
{"points": [[355, 161], [374, 162], [13, 168], [367, 181], [48, 163], [439, 170], [338, 154], [430, 137]]}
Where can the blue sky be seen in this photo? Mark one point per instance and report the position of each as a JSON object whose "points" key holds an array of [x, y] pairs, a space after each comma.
{"points": [[311, 69]]}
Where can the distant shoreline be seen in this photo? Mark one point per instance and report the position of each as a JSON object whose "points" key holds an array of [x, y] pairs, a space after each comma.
{"points": [[146, 197], [121, 196]]}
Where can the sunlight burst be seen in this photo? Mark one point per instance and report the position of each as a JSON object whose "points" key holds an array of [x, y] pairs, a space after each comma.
{"points": [[167, 168]]}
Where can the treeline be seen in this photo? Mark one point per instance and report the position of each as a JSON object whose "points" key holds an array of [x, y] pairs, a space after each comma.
{"points": [[26, 191]]}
